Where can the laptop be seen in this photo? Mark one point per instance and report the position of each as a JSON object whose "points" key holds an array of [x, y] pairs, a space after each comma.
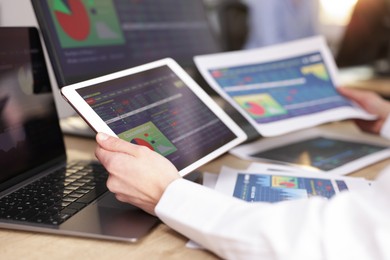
{"points": [[157, 105], [39, 190], [116, 35]]}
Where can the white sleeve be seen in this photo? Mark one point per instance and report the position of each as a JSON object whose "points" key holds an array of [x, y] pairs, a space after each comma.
{"points": [[350, 226], [385, 130]]}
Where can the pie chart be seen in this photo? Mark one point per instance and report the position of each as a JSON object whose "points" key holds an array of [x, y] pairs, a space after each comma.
{"points": [[255, 109], [140, 141], [73, 18]]}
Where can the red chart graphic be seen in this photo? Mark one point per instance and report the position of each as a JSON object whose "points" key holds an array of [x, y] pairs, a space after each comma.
{"points": [[73, 18], [255, 109], [140, 141]]}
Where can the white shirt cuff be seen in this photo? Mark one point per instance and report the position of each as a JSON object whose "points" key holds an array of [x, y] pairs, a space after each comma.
{"points": [[385, 131]]}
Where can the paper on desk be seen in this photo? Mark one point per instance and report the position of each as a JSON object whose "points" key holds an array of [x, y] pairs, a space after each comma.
{"points": [[275, 186], [280, 88], [275, 183], [258, 167], [210, 180]]}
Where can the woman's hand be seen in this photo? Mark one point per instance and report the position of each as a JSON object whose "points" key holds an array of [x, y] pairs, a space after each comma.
{"points": [[373, 104], [137, 175]]}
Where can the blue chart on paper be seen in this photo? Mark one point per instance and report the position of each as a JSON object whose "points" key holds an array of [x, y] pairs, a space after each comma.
{"points": [[283, 89], [275, 188]]}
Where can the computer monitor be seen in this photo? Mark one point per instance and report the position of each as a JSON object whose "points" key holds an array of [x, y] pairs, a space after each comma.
{"points": [[366, 39], [86, 39]]}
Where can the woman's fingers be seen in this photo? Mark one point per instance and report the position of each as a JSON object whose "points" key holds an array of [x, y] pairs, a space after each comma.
{"points": [[115, 144]]}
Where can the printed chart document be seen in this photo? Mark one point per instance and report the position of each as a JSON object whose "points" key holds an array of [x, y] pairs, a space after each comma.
{"points": [[263, 182], [281, 88], [259, 185]]}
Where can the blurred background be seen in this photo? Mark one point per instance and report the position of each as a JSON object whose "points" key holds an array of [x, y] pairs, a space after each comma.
{"points": [[255, 23], [357, 32]]}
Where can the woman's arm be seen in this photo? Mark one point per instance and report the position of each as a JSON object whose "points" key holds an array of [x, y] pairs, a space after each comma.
{"points": [[352, 225]]}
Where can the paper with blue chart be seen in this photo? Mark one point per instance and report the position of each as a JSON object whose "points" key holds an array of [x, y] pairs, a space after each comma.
{"points": [[281, 88], [272, 183], [267, 185]]}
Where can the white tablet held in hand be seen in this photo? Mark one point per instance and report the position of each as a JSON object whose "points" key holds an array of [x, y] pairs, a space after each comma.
{"points": [[160, 106]]}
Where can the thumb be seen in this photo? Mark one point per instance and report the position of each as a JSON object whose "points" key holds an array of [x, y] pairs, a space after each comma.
{"points": [[115, 144], [102, 139]]}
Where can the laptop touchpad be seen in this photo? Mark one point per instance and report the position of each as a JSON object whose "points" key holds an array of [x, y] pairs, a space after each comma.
{"points": [[109, 200]]}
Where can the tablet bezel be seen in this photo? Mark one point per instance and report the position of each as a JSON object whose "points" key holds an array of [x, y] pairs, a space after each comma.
{"points": [[98, 125]]}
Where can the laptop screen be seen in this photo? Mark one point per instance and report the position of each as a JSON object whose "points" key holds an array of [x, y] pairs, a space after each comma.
{"points": [[86, 39], [30, 135]]}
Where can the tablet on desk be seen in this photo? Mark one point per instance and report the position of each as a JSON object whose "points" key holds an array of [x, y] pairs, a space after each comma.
{"points": [[159, 106], [318, 150]]}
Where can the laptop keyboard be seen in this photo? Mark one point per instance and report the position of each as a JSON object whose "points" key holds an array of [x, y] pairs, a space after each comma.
{"points": [[56, 197]]}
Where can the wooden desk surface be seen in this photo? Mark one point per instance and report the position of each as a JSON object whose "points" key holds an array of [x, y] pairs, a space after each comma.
{"points": [[161, 243]]}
